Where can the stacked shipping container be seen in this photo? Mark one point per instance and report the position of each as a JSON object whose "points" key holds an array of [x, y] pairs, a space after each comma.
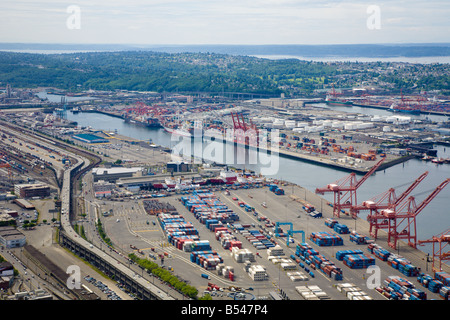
{"points": [[397, 288], [439, 284], [326, 239], [358, 261], [314, 258]]}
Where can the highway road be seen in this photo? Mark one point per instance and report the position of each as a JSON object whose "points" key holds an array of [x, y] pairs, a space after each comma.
{"points": [[79, 163]]}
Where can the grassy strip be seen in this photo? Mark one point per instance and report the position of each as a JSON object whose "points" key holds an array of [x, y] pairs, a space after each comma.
{"points": [[165, 276], [103, 234]]}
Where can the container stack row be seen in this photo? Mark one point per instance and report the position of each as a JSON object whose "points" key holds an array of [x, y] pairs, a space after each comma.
{"points": [[297, 276], [312, 293], [445, 293], [397, 288], [358, 261], [405, 267], [326, 239], [276, 189], [330, 222], [397, 262], [179, 232], [444, 277], [257, 239], [226, 271], [381, 253], [342, 253], [206, 206], [208, 260], [439, 284], [352, 292], [341, 228], [318, 261], [227, 239], [359, 239]]}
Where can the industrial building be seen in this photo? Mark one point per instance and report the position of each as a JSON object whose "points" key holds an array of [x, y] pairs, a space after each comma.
{"points": [[7, 196], [112, 174], [90, 138], [10, 237], [6, 219], [24, 204], [6, 269], [6, 275], [103, 189], [178, 167], [32, 190]]}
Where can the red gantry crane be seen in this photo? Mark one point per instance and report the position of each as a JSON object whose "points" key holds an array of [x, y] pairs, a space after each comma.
{"points": [[243, 130], [384, 201], [7, 165], [402, 220], [345, 190], [443, 240]]}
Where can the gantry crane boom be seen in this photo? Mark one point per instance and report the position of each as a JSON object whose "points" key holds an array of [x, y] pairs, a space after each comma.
{"points": [[345, 189], [443, 240], [8, 166], [407, 213], [387, 200], [411, 188]]}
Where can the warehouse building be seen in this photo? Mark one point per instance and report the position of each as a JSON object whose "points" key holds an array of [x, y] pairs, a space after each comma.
{"points": [[32, 190], [90, 138], [10, 237], [103, 189], [112, 174], [24, 204], [178, 167]]}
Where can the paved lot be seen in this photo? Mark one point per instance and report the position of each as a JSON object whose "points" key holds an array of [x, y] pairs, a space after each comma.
{"points": [[128, 226]]}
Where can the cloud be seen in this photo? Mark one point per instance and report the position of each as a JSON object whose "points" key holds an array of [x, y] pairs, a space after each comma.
{"points": [[229, 21]]}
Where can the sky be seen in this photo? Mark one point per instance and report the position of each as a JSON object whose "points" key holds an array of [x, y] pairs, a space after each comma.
{"points": [[224, 22]]}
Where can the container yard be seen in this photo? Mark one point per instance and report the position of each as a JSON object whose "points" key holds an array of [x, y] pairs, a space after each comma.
{"points": [[225, 237]]}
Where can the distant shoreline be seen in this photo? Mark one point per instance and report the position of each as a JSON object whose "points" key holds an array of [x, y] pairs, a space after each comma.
{"points": [[412, 53]]}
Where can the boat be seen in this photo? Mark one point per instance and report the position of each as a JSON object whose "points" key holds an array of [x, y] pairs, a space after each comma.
{"points": [[143, 121], [437, 160], [403, 109], [76, 110], [426, 157], [178, 132], [186, 129], [332, 99], [338, 102], [214, 134]]}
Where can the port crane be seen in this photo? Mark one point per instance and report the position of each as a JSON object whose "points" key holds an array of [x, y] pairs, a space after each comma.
{"points": [[345, 188], [290, 232], [443, 240], [402, 220], [384, 201], [8, 166], [243, 130], [239, 123]]}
